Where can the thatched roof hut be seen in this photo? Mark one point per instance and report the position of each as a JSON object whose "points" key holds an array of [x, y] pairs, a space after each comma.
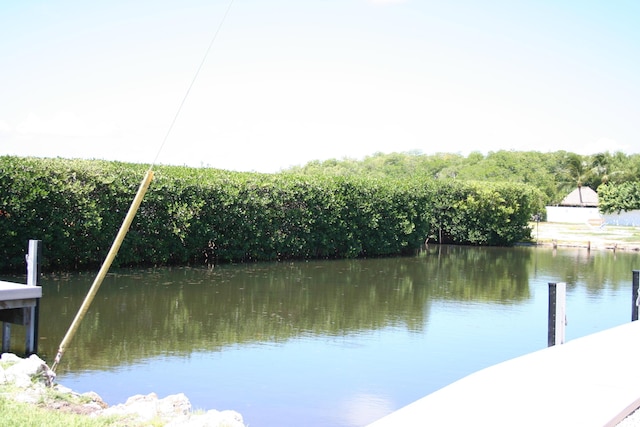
{"points": [[581, 197]]}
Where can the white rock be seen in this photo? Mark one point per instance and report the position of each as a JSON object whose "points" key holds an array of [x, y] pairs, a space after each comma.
{"points": [[230, 418], [62, 389], [95, 398], [211, 418], [93, 406], [9, 358], [14, 374], [145, 407], [23, 370], [174, 410], [174, 405]]}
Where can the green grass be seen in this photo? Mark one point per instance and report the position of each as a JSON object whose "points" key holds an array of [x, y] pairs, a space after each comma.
{"points": [[14, 413], [53, 395], [24, 414], [609, 234]]}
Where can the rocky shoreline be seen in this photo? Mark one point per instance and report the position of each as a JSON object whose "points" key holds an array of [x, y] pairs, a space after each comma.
{"points": [[30, 380]]}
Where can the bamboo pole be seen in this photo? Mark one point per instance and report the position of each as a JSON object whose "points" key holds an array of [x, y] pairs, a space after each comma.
{"points": [[115, 247]]}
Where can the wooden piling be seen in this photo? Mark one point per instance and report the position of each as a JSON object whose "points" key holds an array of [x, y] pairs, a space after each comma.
{"points": [[557, 313], [32, 314], [19, 303], [635, 296], [6, 336]]}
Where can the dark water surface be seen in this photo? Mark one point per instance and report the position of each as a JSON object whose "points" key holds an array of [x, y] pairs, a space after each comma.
{"points": [[323, 343]]}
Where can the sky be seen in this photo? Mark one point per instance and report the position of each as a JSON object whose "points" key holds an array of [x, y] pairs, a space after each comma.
{"points": [[289, 81]]}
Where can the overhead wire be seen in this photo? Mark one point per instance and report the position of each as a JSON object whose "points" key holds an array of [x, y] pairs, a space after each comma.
{"points": [[195, 77], [135, 204]]}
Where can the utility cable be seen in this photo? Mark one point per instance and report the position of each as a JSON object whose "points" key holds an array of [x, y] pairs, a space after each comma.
{"points": [[195, 76], [135, 204]]}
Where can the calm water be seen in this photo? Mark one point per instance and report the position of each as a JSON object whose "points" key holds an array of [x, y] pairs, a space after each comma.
{"points": [[323, 343]]}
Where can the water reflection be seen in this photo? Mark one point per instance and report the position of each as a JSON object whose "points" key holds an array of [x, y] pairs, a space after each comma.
{"points": [[363, 408], [324, 342], [144, 313]]}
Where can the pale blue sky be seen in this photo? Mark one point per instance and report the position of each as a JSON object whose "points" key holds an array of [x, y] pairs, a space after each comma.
{"points": [[292, 81]]}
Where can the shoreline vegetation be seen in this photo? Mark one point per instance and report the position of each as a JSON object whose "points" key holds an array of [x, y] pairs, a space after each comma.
{"points": [[30, 396], [199, 216], [382, 205]]}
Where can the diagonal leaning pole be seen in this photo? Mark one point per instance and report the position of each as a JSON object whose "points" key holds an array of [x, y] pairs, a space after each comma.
{"points": [[115, 247]]}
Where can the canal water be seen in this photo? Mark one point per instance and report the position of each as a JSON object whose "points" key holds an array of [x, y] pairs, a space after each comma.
{"points": [[323, 343]]}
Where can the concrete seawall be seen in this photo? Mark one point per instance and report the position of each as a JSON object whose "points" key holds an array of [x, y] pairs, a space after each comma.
{"points": [[590, 381]]}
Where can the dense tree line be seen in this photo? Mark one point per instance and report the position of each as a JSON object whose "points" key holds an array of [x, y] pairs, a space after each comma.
{"points": [[206, 216], [555, 173], [385, 204]]}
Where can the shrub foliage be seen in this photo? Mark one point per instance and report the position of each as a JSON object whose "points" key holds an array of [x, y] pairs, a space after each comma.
{"points": [[616, 198], [208, 216]]}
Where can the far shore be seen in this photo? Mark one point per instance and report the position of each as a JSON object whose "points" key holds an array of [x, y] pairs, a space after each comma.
{"points": [[607, 237]]}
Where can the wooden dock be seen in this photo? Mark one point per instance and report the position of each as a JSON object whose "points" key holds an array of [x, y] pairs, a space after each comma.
{"points": [[19, 303]]}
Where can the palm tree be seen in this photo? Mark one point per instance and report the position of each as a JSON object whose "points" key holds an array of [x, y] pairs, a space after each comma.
{"points": [[575, 172]]}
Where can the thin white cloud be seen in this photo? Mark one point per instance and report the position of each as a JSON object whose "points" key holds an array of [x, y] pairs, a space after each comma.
{"points": [[387, 1], [62, 123], [4, 127], [602, 145]]}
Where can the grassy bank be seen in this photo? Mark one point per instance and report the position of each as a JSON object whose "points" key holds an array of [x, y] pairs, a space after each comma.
{"points": [[585, 235], [25, 414]]}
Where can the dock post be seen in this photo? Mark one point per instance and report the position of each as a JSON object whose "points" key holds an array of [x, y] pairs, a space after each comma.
{"points": [[6, 336], [557, 313], [635, 296], [32, 314]]}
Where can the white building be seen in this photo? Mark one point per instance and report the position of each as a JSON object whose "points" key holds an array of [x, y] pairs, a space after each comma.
{"points": [[580, 206]]}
